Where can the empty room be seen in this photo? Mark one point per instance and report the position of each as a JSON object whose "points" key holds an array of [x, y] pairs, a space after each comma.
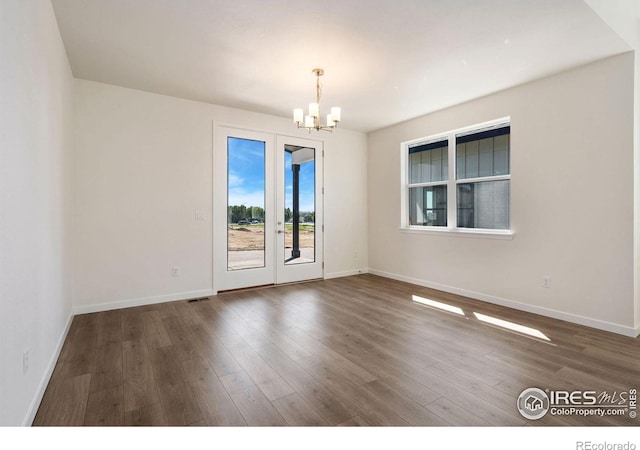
{"points": [[342, 213]]}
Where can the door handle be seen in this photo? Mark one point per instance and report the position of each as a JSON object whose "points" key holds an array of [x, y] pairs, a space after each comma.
{"points": [[280, 231]]}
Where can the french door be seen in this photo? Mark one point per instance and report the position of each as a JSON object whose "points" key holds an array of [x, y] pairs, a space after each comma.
{"points": [[267, 209]]}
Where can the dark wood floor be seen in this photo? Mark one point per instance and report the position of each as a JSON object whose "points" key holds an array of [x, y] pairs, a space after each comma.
{"points": [[349, 351]]}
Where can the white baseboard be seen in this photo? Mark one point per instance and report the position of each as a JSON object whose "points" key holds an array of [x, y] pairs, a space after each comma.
{"points": [[347, 273], [581, 320], [44, 382], [119, 304]]}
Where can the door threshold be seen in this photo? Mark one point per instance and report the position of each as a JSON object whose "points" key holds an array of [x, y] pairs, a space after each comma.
{"points": [[299, 282], [260, 286], [272, 285]]}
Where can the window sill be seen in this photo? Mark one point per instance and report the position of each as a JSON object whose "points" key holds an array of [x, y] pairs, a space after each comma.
{"points": [[468, 233]]}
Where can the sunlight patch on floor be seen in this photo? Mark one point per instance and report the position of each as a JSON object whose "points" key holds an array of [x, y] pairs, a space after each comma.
{"points": [[438, 305], [511, 326]]}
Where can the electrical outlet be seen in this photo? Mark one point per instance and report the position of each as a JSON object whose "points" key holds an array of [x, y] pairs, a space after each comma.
{"points": [[175, 271], [25, 361], [199, 215], [546, 281]]}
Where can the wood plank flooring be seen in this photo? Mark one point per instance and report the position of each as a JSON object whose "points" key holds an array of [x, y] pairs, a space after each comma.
{"points": [[354, 351]]}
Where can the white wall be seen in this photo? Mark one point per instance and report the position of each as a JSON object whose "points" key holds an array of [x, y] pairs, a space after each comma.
{"points": [[572, 200], [36, 137], [144, 165], [623, 16]]}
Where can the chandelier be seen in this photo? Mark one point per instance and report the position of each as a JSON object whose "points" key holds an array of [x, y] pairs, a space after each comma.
{"points": [[312, 120]]}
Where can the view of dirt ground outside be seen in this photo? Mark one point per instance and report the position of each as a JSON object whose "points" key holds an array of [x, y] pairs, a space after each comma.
{"points": [[246, 245]]}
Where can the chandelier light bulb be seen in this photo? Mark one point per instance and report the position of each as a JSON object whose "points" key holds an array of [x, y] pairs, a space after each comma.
{"points": [[330, 121], [336, 113], [309, 122], [314, 109]]}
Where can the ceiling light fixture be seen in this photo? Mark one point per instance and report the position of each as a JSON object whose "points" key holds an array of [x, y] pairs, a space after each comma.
{"points": [[312, 120]]}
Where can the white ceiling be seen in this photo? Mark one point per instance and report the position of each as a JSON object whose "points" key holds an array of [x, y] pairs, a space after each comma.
{"points": [[385, 61]]}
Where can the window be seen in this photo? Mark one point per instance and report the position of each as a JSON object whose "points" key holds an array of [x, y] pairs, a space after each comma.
{"points": [[482, 178], [467, 189], [428, 175]]}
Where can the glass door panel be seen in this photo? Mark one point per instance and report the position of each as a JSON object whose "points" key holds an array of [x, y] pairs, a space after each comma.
{"points": [[300, 205], [245, 203]]}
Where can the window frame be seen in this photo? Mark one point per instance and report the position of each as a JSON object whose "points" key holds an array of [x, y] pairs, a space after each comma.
{"points": [[451, 184]]}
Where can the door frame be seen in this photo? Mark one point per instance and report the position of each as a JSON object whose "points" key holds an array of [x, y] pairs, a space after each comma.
{"points": [[224, 279]]}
